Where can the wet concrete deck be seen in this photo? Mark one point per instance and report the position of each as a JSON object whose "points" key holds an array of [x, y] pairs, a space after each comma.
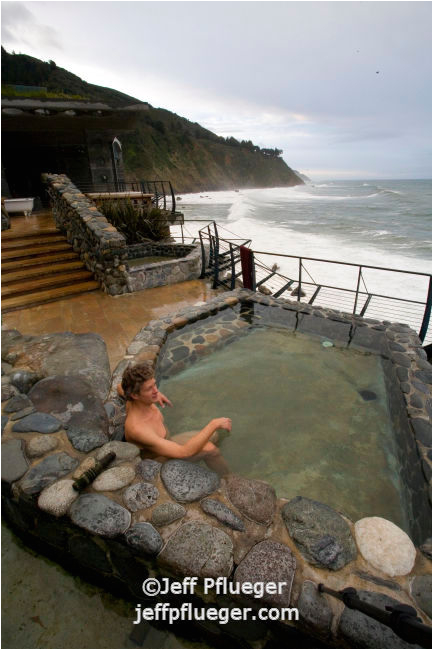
{"points": [[117, 319]]}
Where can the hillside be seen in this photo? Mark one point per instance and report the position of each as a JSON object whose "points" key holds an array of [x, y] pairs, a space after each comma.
{"points": [[164, 145]]}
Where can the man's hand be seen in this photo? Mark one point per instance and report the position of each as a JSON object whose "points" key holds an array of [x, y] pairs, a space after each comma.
{"points": [[223, 423], [162, 400]]}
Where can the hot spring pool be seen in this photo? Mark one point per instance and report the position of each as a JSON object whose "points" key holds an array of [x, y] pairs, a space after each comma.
{"points": [[308, 419]]}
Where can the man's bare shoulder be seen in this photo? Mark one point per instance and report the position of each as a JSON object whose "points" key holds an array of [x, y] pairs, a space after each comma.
{"points": [[143, 431]]}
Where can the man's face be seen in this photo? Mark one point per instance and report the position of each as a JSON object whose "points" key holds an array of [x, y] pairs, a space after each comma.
{"points": [[148, 393]]}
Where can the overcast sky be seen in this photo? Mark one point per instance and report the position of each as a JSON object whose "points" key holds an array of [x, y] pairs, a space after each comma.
{"points": [[344, 88]]}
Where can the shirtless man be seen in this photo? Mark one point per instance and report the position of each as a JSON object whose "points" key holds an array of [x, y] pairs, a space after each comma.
{"points": [[144, 425]]}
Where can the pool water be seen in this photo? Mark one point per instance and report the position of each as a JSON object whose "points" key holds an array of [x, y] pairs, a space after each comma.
{"points": [[308, 419], [139, 261]]}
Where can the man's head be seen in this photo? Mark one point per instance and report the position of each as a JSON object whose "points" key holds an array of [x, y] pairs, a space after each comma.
{"points": [[138, 383]]}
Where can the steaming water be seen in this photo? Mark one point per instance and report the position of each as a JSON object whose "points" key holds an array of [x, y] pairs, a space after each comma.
{"points": [[379, 223]]}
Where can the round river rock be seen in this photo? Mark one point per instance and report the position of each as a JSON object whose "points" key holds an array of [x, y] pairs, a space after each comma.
{"points": [[269, 561], [140, 496], [148, 469], [114, 478], [197, 549], [187, 481], [319, 532], [40, 445], [166, 513], [255, 499], [13, 462], [221, 512], [385, 546], [100, 515], [143, 537], [47, 471], [123, 450], [57, 498], [39, 422]]}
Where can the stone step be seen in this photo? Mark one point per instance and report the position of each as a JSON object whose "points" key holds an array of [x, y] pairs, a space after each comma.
{"points": [[48, 295], [10, 235], [27, 286], [39, 271], [36, 250], [34, 240], [39, 260]]}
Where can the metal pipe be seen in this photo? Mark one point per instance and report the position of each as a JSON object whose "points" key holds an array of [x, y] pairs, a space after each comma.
{"points": [[427, 314], [299, 279], [357, 290], [401, 618]]}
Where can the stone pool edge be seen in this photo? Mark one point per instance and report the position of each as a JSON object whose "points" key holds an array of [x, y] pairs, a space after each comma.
{"points": [[397, 344], [131, 558]]}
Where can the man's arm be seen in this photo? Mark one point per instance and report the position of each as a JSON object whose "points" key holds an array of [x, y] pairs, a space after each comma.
{"points": [[170, 449]]}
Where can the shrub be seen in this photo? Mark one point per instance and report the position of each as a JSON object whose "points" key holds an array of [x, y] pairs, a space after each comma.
{"points": [[136, 224]]}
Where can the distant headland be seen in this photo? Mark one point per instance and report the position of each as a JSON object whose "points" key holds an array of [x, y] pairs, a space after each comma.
{"points": [[163, 145]]}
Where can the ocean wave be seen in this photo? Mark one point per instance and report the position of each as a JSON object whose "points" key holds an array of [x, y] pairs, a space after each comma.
{"points": [[380, 233], [384, 190]]}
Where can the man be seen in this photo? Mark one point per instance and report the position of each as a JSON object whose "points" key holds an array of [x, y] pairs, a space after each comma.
{"points": [[144, 425]]}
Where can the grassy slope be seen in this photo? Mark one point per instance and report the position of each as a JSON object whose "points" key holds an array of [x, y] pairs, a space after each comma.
{"points": [[164, 145]]}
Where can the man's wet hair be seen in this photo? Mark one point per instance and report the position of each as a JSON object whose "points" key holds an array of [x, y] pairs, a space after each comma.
{"points": [[134, 377]]}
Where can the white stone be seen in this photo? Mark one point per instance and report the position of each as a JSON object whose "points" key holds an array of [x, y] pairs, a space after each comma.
{"points": [[114, 478], [123, 450], [385, 546], [40, 445], [57, 498]]}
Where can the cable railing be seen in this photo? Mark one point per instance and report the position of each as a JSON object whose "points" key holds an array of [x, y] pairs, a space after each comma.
{"points": [[357, 289]]}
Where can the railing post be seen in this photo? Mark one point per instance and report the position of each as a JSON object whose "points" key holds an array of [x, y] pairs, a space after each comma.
{"points": [[427, 314], [163, 193], [203, 256], [211, 255], [216, 258], [253, 271], [173, 200], [232, 262], [300, 279], [357, 290], [248, 268]]}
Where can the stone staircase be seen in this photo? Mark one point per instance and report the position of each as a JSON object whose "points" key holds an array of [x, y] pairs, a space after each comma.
{"points": [[38, 266]]}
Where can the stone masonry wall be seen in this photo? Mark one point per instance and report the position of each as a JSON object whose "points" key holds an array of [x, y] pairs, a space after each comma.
{"points": [[101, 247], [186, 265], [104, 251]]}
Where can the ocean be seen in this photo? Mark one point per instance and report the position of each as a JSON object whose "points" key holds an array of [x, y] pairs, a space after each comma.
{"points": [[384, 223]]}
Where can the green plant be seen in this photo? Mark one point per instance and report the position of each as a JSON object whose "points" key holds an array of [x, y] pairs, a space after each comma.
{"points": [[136, 224]]}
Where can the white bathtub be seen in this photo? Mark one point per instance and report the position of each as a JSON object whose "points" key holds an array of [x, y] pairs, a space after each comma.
{"points": [[19, 205]]}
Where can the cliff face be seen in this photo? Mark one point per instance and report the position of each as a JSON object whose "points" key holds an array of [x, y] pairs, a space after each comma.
{"points": [[194, 159], [164, 145]]}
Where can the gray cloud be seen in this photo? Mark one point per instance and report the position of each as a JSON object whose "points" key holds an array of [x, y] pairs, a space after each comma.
{"points": [[20, 27], [346, 84]]}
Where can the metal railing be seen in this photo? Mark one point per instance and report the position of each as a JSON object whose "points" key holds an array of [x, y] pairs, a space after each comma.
{"points": [[162, 191], [359, 297]]}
